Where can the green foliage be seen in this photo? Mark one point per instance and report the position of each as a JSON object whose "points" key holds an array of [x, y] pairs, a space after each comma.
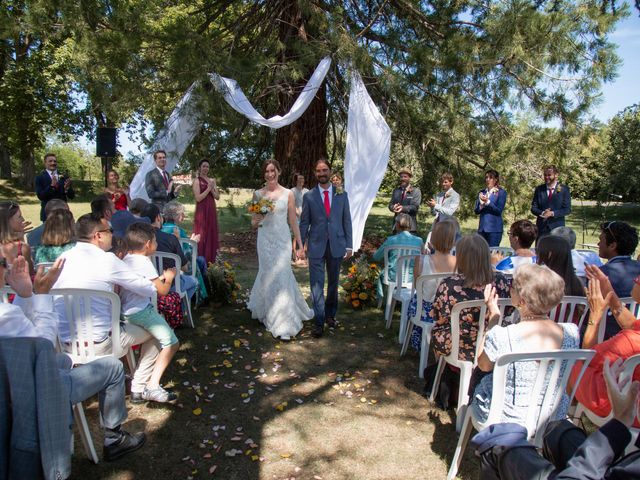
{"points": [[623, 154]]}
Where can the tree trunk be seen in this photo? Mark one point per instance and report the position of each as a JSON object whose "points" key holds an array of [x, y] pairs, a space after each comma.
{"points": [[303, 142], [5, 162]]}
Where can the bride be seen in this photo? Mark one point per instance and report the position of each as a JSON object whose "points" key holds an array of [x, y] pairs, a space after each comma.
{"points": [[276, 299]]}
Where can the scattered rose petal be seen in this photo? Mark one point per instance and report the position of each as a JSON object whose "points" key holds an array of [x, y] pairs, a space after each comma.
{"points": [[197, 411]]}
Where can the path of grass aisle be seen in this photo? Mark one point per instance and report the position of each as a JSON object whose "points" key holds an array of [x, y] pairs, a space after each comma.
{"points": [[250, 407]]}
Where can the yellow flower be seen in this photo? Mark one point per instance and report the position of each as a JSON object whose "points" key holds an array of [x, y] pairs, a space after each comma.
{"points": [[363, 296]]}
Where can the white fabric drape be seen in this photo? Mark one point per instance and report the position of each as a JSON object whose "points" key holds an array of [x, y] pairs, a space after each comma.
{"points": [[240, 103], [176, 135], [366, 155]]}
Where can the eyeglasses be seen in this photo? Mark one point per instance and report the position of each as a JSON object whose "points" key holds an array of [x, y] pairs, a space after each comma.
{"points": [[110, 230], [607, 227]]}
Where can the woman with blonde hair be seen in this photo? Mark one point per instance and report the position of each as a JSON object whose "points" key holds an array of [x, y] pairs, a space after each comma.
{"points": [[442, 240], [58, 236], [473, 273], [12, 230], [536, 289]]}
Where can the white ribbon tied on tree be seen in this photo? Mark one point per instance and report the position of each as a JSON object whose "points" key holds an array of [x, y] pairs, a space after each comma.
{"points": [[236, 98], [366, 155]]}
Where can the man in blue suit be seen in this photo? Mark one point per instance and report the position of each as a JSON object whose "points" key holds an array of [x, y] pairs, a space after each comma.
{"points": [[326, 223], [51, 184], [489, 205], [551, 202]]}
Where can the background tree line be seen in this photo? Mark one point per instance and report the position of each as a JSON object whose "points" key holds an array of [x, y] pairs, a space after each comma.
{"points": [[464, 85]]}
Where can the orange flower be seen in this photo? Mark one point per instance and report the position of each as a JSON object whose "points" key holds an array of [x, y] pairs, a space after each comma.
{"points": [[355, 303], [354, 295]]}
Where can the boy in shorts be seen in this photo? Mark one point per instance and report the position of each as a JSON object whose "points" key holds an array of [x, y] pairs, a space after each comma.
{"points": [[141, 244]]}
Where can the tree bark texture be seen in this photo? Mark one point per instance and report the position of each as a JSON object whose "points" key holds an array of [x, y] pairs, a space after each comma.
{"points": [[300, 144]]}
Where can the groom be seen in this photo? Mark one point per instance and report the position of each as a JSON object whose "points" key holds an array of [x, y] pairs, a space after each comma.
{"points": [[326, 223]]}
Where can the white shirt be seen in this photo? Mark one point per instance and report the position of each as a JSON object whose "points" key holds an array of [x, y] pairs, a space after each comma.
{"points": [[29, 317], [88, 266], [131, 301], [330, 190]]}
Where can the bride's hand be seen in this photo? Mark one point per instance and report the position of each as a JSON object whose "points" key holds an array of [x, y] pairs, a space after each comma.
{"points": [[256, 220]]}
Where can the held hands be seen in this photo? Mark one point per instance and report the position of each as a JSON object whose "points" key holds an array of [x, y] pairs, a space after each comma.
{"points": [[548, 213], [623, 395]]}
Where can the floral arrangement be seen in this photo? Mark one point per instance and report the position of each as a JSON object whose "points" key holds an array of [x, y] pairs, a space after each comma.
{"points": [[359, 285], [222, 284], [262, 206]]}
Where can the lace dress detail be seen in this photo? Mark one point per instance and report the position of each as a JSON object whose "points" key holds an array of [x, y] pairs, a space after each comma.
{"points": [[276, 299]]}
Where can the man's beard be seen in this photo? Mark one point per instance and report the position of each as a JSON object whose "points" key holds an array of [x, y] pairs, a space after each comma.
{"points": [[323, 178]]}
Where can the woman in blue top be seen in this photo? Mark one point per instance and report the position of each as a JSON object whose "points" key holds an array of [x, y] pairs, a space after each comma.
{"points": [[403, 237], [489, 205]]}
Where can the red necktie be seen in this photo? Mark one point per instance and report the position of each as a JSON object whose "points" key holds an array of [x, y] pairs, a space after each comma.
{"points": [[166, 179], [327, 205], [550, 195]]}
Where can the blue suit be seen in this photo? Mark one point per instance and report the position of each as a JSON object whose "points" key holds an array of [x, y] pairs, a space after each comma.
{"points": [[491, 224], [560, 206], [46, 192], [329, 238]]}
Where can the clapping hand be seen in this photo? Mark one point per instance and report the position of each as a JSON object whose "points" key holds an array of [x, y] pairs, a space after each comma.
{"points": [[397, 208], [44, 281], [491, 300], [18, 277], [26, 226], [67, 184], [431, 202], [597, 301], [623, 395], [195, 237]]}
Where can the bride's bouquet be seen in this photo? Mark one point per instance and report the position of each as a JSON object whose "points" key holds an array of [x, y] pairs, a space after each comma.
{"points": [[262, 206]]}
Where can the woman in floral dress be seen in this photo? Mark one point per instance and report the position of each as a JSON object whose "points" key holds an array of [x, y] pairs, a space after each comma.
{"points": [[474, 272]]}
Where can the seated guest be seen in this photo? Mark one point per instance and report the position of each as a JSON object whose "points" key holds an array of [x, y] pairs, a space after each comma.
{"points": [[592, 389], [568, 452], [535, 290], [139, 310], [555, 253], [58, 237], [474, 272], [123, 218], [522, 234], [34, 316], [89, 265], [103, 207], [34, 236], [579, 258], [403, 237], [12, 225], [618, 241], [174, 214], [441, 261], [168, 243]]}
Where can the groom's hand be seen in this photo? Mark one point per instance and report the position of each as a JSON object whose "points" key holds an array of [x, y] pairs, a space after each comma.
{"points": [[348, 254], [300, 254]]}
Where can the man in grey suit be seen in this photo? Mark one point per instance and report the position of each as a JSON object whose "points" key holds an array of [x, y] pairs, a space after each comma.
{"points": [[158, 182], [405, 199], [326, 223], [447, 201]]}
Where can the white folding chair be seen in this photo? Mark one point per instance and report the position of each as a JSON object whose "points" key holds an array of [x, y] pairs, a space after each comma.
{"points": [[466, 367], [629, 367], [404, 270], [81, 348], [193, 262], [395, 252], [158, 260], [425, 339], [628, 302], [569, 310], [539, 413]]}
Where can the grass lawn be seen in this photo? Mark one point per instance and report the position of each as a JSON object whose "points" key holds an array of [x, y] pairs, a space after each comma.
{"points": [[250, 407]]}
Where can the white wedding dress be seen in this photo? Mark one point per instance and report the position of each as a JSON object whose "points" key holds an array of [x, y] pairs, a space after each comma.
{"points": [[276, 299]]}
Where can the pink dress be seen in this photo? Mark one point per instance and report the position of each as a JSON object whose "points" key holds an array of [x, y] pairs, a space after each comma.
{"points": [[206, 224]]}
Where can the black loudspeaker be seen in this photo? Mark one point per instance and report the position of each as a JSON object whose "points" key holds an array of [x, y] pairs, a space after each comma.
{"points": [[106, 142]]}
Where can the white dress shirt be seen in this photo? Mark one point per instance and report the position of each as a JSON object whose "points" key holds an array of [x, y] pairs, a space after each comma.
{"points": [[88, 266], [33, 316], [330, 190]]}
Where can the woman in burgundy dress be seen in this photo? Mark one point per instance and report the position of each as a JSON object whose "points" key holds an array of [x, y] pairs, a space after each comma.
{"points": [[119, 195], [205, 192]]}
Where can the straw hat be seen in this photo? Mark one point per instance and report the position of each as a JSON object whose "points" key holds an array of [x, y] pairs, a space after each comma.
{"points": [[406, 170]]}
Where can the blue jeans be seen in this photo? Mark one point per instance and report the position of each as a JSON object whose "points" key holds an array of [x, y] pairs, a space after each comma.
{"points": [[103, 376], [188, 284]]}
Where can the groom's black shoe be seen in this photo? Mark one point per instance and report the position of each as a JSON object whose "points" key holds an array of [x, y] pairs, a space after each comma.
{"points": [[317, 331], [331, 322]]}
